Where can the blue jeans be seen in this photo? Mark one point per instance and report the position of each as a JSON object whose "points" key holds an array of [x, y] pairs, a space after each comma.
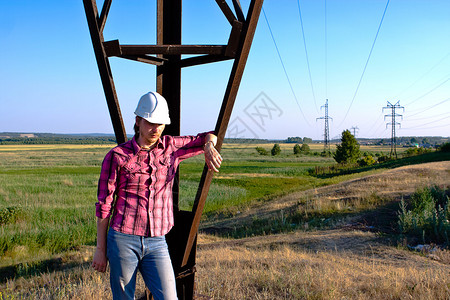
{"points": [[128, 253]]}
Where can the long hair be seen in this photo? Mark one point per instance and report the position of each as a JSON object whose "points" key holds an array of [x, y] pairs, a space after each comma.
{"points": [[135, 127]]}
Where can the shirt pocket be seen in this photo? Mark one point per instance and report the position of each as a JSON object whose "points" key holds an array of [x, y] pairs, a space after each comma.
{"points": [[132, 170], [167, 167]]}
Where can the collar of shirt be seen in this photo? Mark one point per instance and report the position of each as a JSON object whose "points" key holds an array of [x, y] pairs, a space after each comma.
{"points": [[137, 148]]}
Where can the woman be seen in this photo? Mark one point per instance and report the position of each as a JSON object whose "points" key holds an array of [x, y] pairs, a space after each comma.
{"points": [[135, 199]]}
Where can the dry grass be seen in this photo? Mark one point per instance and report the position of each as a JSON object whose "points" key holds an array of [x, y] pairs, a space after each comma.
{"points": [[344, 263], [50, 147], [73, 280], [333, 264], [325, 265], [390, 185]]}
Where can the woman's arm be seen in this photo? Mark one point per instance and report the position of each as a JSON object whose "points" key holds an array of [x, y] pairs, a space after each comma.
{"points": [[100, 262], [213, 158]]}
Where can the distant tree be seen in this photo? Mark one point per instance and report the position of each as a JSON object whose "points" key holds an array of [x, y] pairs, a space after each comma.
{"points": [[294, 140], [262, 151], [304, 149], [414, 141], [348, 150], [307, 140], [297, 149], [276, 149]]}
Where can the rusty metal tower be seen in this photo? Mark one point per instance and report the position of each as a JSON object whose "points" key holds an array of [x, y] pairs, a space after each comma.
{"points": [[167, 56]]}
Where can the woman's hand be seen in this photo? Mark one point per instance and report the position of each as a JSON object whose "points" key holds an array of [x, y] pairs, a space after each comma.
{"points": [[100, 261], [213, 158]]}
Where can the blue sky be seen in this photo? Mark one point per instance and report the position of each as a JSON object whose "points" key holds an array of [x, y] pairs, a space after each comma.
{"points": [[49, 79]]}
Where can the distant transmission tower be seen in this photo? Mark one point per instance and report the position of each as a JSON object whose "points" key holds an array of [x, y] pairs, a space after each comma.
{"points": [[326, 135], [354, 130], [393, 124]]}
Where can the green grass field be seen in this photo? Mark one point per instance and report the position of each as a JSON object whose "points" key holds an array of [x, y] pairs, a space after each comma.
{"points": [[48, 192], [48, 227]]}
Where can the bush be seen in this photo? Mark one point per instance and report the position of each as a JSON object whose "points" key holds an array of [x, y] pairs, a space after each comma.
{"points": [[276, 150], [305, 149], [383, 158], [325, 153], [445, 147], [415, 151], [366, 161], [427, 216], [262, 151], [10, 214]]}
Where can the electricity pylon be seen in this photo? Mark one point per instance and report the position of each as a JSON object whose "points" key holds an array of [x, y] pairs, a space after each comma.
{"points": [[354, 130], [393, 123], [326, 134]]}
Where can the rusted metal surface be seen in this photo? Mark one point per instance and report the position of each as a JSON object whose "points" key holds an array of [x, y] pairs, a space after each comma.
{"points": [[167, 56], [92, 17], [168, 81], [225, 114], [226, 11], [238, 9], [167, 49], [104, 15]]}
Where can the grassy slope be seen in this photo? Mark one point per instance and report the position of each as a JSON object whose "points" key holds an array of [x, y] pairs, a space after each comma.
{"points": [[58, 187]]}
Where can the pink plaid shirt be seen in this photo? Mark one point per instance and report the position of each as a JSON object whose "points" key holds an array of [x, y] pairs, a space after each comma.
{"points": [[135, 185]]}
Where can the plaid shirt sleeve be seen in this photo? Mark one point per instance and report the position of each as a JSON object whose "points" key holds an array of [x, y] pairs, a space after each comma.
{"points": [[107, 185], [189, 146]]}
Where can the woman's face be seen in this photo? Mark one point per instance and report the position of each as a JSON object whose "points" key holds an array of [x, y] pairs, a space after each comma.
{"points": [[149, 133]]}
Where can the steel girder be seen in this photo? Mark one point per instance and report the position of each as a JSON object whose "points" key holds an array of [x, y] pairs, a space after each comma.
{"points": [[167, 56]]}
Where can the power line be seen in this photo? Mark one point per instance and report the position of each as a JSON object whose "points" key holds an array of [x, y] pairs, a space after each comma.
{"points": [[306, 53], [444, 118], [326, 50], [430, 91], [284, 68], [440, 126], [425, 118], [376, 121], [423, 75], [430, 107], [367, 62]]}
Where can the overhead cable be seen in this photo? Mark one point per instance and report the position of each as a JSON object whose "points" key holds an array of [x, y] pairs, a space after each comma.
{"points": [[377, 120], [282, 64], [444, 118], [306, 53], [367, 62], [326, 51], [425, 118], [433, 127], [429, 107], [430, 91], [423, 75]]}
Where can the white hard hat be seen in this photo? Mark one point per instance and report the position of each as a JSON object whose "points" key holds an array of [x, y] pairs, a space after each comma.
{"points": [[153, 108]]}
